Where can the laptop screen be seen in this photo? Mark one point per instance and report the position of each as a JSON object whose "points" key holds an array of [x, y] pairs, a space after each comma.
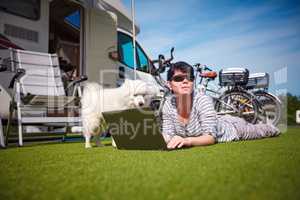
{"points": [[135, 129]]}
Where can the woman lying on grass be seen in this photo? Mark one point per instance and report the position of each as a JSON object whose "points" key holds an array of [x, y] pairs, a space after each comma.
{"points": [[189, 118]]}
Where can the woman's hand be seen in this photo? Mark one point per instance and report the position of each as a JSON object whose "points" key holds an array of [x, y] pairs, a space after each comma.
{"points": [[178, 142], [203, 140]]}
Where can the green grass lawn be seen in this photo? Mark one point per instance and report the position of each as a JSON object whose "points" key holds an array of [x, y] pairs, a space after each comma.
{"points": [[260, 169]]}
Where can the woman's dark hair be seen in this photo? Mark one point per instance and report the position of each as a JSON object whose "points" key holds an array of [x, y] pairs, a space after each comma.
{"points": [[181, 66]]}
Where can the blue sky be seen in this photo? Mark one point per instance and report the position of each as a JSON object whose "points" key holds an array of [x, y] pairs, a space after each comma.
{"points": [[263, 36]]}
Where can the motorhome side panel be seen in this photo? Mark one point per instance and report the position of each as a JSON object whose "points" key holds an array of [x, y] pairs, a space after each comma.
{"points": [[27, 33]]}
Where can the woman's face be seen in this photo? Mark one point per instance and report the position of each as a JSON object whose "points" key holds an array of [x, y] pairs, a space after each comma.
{"points": [[180, 84]]}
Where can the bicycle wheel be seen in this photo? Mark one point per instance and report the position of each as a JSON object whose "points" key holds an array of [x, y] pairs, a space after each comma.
{"points": [[238, 103], [270, 105]]}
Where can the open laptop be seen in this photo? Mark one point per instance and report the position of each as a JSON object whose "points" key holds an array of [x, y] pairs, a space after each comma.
{"points": [[135, 129]]}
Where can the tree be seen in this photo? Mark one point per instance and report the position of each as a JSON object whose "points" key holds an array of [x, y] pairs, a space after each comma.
{"points": [[293, 104]]}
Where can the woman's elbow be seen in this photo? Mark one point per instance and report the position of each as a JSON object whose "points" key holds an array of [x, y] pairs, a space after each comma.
{"points": [[210, 139]]}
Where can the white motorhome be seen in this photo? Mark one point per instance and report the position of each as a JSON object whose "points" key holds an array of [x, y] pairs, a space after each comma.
{"points": [[92, 36]]}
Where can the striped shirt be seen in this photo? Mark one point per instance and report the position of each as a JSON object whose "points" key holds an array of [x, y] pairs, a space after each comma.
{"points": [[203, 120]]}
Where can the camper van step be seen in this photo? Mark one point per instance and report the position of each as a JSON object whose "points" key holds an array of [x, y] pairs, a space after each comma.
{"points": [[31, 120], [45, 138]]}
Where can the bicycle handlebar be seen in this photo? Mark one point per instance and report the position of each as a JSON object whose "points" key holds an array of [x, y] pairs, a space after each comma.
{"points": [[201, 67], [162, 65]]}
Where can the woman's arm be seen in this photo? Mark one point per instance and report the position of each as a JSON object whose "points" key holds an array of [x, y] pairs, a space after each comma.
{"points": [[203, 140], [200, 140]]}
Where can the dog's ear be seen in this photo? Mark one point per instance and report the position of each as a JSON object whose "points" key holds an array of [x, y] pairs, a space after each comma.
{"points": [[138, 87], [152, 89], [130, 101], [147, 89]]}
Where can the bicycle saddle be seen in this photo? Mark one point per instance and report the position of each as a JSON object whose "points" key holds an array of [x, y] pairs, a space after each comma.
{"points": [[211, 74]]}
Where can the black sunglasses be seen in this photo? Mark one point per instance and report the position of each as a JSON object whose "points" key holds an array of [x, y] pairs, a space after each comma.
{"points": [[180, 78]]}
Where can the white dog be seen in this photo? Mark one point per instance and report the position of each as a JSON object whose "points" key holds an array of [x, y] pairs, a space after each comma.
{"points": [[96, 100]]}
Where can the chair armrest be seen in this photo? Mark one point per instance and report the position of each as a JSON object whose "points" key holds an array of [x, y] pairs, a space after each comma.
{"points": [[77, 81], [75, 85], [20, 73]]}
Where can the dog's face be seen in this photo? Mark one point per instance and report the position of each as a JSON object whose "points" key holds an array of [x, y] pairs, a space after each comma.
{"points": [[138, 87], [138, 92], [136, 101]]}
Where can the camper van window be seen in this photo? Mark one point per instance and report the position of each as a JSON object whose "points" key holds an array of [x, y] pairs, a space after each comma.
{"points": [[125, 49], [29, 9], [142, 60], [125, 46]]}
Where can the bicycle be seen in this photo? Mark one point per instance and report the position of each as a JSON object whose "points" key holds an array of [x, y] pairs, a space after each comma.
{"points": [[248, 98], [240, 103], [234, 100]]}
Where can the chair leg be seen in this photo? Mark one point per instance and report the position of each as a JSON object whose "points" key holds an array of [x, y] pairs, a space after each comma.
{"points": [[65, 133], [11, 111], [1, 135], [20, 126], [19, 115], [20, 133]]}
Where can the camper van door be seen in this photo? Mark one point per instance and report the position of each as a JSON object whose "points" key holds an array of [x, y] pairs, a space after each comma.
{"points": [[100, 39]]}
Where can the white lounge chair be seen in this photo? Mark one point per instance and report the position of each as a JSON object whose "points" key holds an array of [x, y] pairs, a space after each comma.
{"points": [[39, 95]]}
